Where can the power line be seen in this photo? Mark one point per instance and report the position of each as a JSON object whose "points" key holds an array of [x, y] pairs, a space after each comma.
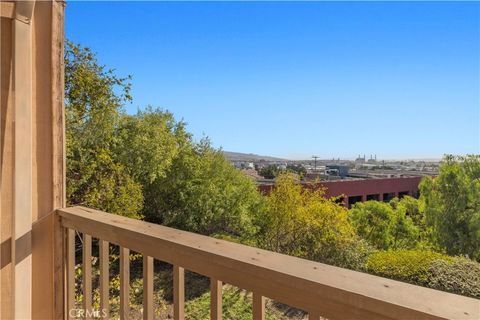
{"points": [[315, 157]]}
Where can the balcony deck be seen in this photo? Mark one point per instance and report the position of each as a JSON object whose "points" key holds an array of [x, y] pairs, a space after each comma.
{"points": [[319, 289], [37, 238]]}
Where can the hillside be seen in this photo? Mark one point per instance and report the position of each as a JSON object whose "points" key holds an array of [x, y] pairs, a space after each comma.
{"points": [[238, 156]]}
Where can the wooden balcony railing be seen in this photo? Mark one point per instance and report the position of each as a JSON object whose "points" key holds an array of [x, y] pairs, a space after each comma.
{"points": [[319, 289]]}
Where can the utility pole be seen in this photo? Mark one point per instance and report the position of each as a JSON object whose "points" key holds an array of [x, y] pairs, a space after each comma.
{"points": [[315, 157]]}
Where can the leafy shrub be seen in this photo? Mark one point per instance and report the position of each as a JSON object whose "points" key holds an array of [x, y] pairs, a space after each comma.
{"points": [[352, 254], [383, 225], [460, 276], [301, 222], [451, 204], [203, 193], [406, 265], [430, 269]]}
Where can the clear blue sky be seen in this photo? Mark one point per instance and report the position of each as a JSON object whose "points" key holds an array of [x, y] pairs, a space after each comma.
{"points": [[290, 79]]}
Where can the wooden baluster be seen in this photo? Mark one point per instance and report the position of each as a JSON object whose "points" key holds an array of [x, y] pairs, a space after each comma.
{"points": [[258, 306], [87, 275], [178, 293], [70, 266], [104, 278], [124, 283], [215, 299], [147, 287]]}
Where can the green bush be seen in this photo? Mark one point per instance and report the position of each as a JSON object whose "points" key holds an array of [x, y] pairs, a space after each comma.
{"points": [[430, 269], [406, 265], [460, 276], [352, 254]]}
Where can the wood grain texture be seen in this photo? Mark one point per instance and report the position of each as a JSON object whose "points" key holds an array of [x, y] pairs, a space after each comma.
{"points": [[215, 299], [326, 290], [23, 165], [178, 292], [147, 288], [7, 9], [313, 316], [87, 275], [104, 252], [258, 306], [124, 283], [70, 273]]}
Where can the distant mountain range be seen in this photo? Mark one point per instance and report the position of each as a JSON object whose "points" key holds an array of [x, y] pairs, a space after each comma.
{"points": [[238, 156]]}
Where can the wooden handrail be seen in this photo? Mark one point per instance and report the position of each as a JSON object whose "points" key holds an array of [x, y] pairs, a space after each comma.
{"points": [[317, 288]]}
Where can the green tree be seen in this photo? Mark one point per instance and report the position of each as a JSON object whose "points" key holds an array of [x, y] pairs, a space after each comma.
{"points": [[302, 222], [384, 226], [268, 172], [148, 142], [451, 203], [372, 221], [413, 210], [411, 207], [298, 169], [94, 98], [202, 192]]}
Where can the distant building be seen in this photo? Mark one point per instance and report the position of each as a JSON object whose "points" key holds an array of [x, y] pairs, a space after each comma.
{"points": [[372, 160], [360, 190], [360, 159], [341, 170]]}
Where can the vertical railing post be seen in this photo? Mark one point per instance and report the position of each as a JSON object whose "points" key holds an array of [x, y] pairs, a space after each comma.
{"points": [[87, 275], [147, 287], [124, 283], [178, 293], [215, 299], [258, 306], [70, 273], [104, 253], [60, 248]]}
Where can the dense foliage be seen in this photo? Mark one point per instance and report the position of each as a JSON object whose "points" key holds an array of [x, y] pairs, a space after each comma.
{"points": [[431, 269], [461, 276], [451, 203], [268, 172], [302, 222], [204, 193], [146, 165], [407, 265], [383, 225], [93, 100], [272, 171]]}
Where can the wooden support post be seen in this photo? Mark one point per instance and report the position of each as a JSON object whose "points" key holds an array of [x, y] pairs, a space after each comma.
{"points": [[215, 299], [178, 293], [23, 169], [147, 287], [33, 273]]}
